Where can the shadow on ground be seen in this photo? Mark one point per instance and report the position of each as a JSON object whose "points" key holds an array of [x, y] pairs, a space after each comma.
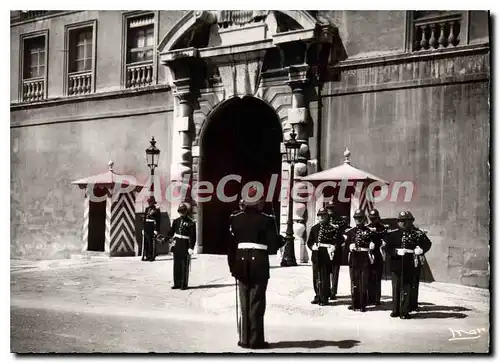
{"points": [[298, 266], [314, 344], [213, 286], [439, 315], [428, 310], [347, 300], [424, 307]]}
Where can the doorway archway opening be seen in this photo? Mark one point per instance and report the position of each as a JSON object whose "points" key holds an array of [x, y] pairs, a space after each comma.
{"points": [[242, 137]]}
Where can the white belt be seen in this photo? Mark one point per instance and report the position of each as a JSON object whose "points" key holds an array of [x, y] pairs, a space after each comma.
{"points": [[405, 250], [362, 249], [150, 220], [324, 245], [251, 246], [176, 235]]}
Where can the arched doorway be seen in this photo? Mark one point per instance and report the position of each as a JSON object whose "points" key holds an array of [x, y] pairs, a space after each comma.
{"points": [[242, 137]]}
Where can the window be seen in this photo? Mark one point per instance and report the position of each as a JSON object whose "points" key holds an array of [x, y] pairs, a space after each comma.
{"points": [[81, 50], [34, 57], [80, 58], [33, 66], [139, 49]]}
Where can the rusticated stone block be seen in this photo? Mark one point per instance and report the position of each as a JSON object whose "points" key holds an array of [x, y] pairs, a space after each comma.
{"points": [[297, 115], [181, 124]]}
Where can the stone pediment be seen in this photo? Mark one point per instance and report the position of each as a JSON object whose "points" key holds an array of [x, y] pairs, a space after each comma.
{"points": [[205, 28], [229, 47]]}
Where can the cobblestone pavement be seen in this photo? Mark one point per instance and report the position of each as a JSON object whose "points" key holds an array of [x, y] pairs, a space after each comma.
{"points": [[132, 288]]}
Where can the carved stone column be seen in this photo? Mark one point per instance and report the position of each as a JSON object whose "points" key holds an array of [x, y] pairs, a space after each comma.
{"points": [[298, 116], [182, 65], [305, 57]]}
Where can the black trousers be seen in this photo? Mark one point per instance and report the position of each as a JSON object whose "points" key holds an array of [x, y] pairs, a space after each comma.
{"points": [[401, 289], [252, 299], [375, 282], [321, 277], [359, 269], [414, 288], [181, 269], [334, 278], [149, 252]]}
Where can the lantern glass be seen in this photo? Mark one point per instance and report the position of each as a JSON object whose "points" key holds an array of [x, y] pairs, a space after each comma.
{"points": [[152, 154], [292, 148]]}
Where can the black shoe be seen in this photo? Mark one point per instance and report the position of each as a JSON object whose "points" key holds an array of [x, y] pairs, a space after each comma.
{"points": [[322, 303], [394, 315], [406, 316], [350, 307], [315, 301], [240, 344], [263, 345], [184, 288], [362, 310], [175, 287], [333, 297]]}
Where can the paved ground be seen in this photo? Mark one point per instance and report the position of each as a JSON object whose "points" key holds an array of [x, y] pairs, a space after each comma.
{"points": [[125, 305]]}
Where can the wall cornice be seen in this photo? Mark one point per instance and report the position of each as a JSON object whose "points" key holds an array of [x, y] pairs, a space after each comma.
{"points": [[16, 106]]}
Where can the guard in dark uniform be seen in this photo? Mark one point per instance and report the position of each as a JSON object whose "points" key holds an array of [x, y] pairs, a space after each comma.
{"points": [[404, 247], [425, 244], [183, 233], [379, 231], [254, 238], [358, 239], [321, 242], [340, 225], [231, 253], [152, 217]]}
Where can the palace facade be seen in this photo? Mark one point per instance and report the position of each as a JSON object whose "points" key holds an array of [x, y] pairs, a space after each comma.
{"points": [[407, 92]]}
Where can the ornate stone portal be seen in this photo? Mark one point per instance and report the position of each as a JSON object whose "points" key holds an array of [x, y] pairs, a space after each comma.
{"points": [[213, 56]]}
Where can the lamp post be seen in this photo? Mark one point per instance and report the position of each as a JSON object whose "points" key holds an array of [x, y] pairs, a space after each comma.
{"points": [[152, 156], [291, 147]]}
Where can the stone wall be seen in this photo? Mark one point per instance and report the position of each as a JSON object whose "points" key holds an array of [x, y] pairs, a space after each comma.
{"points": [[424, 120], [53, 146]]}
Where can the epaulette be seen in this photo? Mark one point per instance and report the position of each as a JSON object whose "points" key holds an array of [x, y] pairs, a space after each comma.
{"points": [[349, 229]]}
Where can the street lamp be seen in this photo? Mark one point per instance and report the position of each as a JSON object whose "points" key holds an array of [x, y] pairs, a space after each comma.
{"points": [[152, 156], [291, 147]]}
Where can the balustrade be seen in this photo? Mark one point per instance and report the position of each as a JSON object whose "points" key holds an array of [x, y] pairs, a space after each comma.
{"points": [[33, 90], [437, 33], [139, 75], [79, 83]]}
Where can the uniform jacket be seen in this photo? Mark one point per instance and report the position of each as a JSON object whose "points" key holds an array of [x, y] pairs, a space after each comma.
{"points": [[361, 236], [400, 238], [153, 212], [342, 225], [327, 234], [183, 226], [252, 266], [377, 237]]}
